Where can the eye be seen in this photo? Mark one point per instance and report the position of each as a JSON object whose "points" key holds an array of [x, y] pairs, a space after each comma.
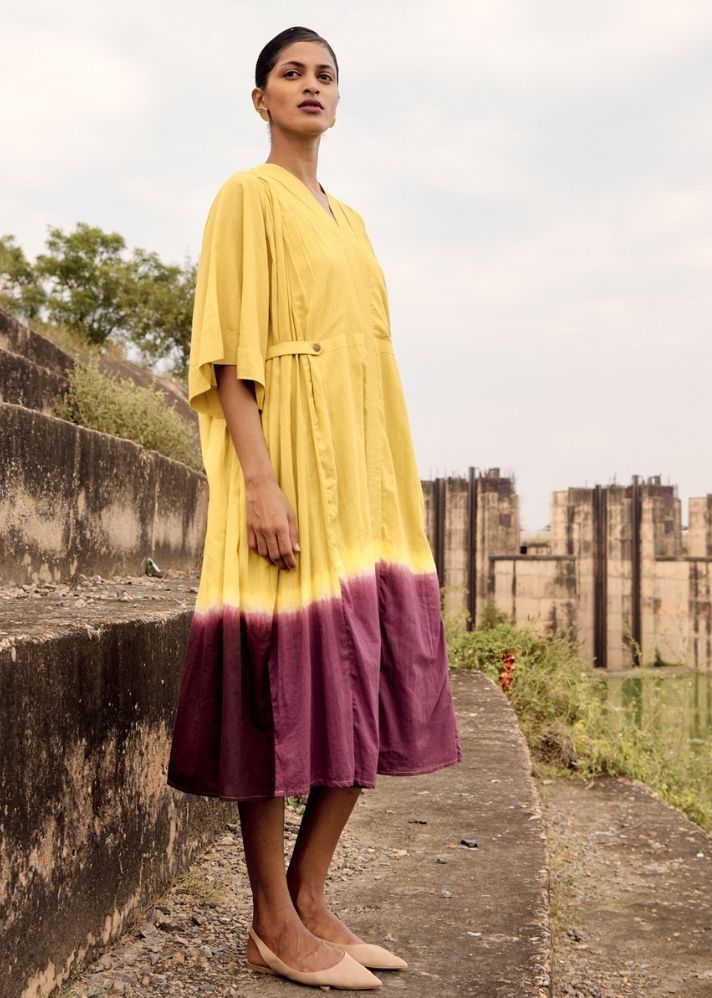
{"points": [[328, 77], [290, 71]]}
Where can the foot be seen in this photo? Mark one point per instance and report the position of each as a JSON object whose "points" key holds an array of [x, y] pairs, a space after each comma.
{"points": [[323, 923], [295, 945]]}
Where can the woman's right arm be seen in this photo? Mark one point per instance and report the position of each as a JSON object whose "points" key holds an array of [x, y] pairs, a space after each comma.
{"points": [[271, 521]]}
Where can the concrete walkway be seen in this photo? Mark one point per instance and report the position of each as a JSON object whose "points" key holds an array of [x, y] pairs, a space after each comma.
{"points": [[632, 882], [469, 920]]}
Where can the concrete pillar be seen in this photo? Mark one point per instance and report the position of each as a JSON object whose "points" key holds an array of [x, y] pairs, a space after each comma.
{"points": [[699, 531], [497, 530], [664, 576], [573, 536]]}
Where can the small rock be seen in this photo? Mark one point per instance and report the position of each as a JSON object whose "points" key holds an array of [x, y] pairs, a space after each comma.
{"points": [[167, 926]]}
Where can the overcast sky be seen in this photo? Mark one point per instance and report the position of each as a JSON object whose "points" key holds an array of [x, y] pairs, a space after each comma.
{"points": [[535, 176]]}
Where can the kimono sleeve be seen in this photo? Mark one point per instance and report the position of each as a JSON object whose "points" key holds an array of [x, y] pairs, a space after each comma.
{"points": [[231, 310]]}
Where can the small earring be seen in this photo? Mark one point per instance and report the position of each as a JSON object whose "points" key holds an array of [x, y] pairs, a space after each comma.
{"points": [[263, 113], [333, 122]]}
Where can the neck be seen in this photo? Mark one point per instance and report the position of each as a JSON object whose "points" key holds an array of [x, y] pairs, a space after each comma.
{"points": [[297, 153]]}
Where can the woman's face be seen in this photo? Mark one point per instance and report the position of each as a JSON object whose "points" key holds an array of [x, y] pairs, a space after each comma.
{"points": [[301, 91]]}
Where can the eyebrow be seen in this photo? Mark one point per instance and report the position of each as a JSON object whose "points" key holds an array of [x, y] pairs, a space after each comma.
{"points": [[294, 62]]}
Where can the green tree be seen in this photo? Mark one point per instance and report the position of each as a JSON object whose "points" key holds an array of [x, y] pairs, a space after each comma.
{"points": [[85, 273], [87, 283], [20, 290], [157, 301]]}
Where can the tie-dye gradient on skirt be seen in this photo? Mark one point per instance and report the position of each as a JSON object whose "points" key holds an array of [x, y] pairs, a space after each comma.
{"points": [[329, 695]]}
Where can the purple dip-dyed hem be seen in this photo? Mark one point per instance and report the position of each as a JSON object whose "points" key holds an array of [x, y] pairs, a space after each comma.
{"points": [[329, 695]]}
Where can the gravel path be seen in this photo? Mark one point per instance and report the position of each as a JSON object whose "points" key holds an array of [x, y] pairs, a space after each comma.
{"points": [[192, 943]]}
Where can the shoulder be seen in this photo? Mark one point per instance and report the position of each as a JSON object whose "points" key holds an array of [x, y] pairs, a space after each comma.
{"points": [[241, 201], [243, 183]]}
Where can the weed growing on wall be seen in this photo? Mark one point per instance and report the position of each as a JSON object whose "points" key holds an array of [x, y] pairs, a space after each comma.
{"points": [[124, 409]]}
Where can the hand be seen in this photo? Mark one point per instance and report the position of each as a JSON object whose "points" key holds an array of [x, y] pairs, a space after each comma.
{"points": [[271, 523]]}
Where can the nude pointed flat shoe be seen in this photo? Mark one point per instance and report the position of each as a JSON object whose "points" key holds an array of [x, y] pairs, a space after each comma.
{"points": [[347, 973], [370, 955]]}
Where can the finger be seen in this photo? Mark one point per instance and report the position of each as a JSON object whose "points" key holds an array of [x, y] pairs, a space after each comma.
{"points": [[251, 539], [293, 534], [262, 548], [274, 552], [285, 546]]}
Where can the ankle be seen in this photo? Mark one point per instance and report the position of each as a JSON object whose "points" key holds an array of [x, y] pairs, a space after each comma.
{"points": [[274, 919], [306, 898]]}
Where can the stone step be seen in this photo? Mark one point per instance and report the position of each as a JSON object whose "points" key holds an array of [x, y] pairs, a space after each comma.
{"points": [[74, 501], [90, 831], [23, 341], [20, 339], [24, 382]]}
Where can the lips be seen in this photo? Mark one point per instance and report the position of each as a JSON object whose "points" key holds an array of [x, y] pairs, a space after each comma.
{"points": [[311, 103]]}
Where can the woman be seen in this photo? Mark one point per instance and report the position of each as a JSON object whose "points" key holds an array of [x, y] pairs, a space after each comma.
{"points": [[316, 656]]}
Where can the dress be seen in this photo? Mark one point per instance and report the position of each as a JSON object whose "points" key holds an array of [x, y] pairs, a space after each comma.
{"points": [[337, 670]]}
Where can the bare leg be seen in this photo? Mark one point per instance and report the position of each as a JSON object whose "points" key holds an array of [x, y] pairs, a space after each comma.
{"points": [[324, 818], [274, 917]]}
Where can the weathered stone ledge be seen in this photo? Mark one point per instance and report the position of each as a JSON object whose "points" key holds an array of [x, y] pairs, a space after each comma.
{"points": [[89, 830]]}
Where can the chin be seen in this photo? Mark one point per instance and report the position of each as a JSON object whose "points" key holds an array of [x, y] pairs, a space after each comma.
{"points": [[310, 127]]}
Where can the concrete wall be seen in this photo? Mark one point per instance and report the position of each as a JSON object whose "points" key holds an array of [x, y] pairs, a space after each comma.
{"points": [[582, 578], [465, 569], [75, 501], [89, 830], [537, 590]]}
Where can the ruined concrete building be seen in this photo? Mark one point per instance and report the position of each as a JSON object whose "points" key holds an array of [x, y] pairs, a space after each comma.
{"points": [[615, 569]]}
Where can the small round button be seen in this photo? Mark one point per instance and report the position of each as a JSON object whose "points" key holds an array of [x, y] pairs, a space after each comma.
{"points": [[317, 347]]}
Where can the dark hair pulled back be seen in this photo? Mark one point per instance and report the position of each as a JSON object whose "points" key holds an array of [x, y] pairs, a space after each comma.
{"points": [[267, 58]]}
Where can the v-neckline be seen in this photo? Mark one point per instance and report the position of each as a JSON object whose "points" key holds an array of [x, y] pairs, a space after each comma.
{"points": [[298, 187]]}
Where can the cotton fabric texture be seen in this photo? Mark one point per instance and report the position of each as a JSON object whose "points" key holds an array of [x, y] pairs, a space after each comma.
{"points": [[337, 670]]}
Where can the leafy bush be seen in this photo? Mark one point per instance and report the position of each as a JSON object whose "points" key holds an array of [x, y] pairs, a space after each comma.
{"points": [[124, 409]]}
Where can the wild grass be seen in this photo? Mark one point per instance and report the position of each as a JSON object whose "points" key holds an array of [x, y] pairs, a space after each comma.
{"points": [[563, 712], [120, 407], [76, 344]]}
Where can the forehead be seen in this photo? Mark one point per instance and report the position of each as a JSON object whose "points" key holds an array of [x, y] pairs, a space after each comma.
{"points": [[310, 53]]}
